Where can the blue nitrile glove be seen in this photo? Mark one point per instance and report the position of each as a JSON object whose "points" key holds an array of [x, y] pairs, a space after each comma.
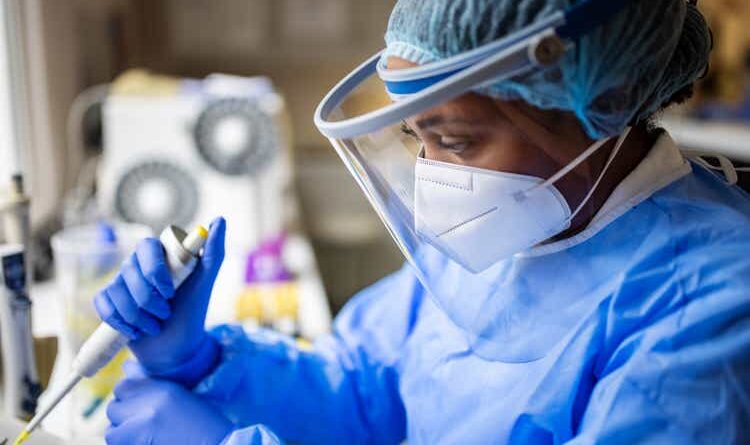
{"points": [[165, 327], [149, 411]]}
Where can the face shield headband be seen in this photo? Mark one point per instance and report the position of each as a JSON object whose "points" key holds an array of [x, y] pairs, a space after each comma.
{"points": [[538, 45]]}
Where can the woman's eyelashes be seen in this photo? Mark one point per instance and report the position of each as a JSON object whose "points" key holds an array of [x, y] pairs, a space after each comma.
{"points": [[454, 144], [409, 132]]}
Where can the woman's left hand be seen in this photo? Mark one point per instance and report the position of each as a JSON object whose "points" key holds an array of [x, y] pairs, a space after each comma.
{"points": [[147, 411]]}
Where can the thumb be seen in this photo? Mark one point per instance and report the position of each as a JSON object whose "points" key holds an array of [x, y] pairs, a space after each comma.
{"points": [[213, 252]]}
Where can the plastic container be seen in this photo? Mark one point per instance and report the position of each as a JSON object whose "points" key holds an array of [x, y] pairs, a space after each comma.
{"points": [[86, 259]]}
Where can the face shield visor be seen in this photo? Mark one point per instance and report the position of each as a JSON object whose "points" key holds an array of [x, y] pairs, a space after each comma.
{"points": [[458, 226]]}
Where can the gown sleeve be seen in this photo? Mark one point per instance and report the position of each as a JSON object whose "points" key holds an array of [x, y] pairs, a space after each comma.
{"points": [[686, 377], [343, 389]]}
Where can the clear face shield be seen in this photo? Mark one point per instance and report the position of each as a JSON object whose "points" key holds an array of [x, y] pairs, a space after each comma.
{"points": [[460, 227]]}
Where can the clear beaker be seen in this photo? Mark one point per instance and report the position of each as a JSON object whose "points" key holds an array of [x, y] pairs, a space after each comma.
{"points": [[87, 258]]}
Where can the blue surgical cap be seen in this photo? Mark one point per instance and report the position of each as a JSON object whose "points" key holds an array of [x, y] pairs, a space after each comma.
{"points": [[620, 73]]}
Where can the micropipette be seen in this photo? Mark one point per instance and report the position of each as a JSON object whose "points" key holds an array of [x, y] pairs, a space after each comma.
{"points": [[181, 251]]}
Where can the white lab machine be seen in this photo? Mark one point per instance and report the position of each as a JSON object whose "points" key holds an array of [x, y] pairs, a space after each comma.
{"points": [[208, 147], [185, 153]]}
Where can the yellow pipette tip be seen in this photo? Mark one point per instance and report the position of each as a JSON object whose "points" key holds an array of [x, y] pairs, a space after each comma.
{"points": [[22, 438], [201, 231]]}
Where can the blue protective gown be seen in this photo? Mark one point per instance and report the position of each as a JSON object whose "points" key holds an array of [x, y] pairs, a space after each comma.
{"points": [[665, 358]]}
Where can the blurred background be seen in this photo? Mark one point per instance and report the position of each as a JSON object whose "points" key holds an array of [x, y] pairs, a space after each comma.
{"points": [[303, 46], [126, 115]]}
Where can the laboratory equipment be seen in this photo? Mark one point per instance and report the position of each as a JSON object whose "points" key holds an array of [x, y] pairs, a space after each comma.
{"points": [[86, 258], [180, 150], [10, 428], [21, 385], [181, 251], [15, 215], [21, 381], [271, 294], [283, 290], [171, 339], [214, 146]]}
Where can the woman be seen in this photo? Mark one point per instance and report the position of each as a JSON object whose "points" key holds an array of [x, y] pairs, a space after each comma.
{"points": [[571, 277]]}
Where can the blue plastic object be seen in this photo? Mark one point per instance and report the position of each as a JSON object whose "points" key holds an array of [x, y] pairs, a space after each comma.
{"points": [[660, 354], [415, 86]]}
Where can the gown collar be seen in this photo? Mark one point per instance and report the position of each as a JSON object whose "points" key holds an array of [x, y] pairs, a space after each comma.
{"points": [[663, 165]]}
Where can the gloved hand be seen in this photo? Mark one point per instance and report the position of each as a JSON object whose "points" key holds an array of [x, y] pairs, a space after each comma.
{"points": [[147, 411], [166, 328]]}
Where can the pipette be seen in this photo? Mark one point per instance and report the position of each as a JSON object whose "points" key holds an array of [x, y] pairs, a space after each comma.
{"points": [[181, 251]]}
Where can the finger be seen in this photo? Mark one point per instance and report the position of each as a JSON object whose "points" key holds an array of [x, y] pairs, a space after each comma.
{"points": [[153, 264], [115, 436], [147, 324], [128, 309], [145, 295], [120, 296], [131, 431], [117, 411], [128, 407], [132, 388], [108, 313]]}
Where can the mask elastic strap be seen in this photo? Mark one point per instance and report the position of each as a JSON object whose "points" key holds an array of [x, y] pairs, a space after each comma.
{"points": [[574, 163], [725, 164], [618, 146], [578, 160]]}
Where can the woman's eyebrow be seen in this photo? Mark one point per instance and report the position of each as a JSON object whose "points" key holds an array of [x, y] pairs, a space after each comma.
{"points": [[433, 121]]}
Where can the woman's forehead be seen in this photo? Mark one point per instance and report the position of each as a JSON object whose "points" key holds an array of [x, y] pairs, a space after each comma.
{"points": [[397, 63], [468, 109]]}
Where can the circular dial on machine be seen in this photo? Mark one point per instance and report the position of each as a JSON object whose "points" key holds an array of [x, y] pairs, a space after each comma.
{"points": [[157, 194], [235, 137]]}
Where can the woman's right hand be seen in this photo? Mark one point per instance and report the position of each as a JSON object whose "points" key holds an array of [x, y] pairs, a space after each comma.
{"points": [[165, 326]]}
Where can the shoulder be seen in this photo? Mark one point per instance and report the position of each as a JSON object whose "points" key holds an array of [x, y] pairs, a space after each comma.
{"points": [[704, 200], [678, 330], [686, 373], [689, 282], [709, 225]]}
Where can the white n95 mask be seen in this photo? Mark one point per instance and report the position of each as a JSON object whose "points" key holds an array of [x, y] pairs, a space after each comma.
{"points": [[478, 217]]}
